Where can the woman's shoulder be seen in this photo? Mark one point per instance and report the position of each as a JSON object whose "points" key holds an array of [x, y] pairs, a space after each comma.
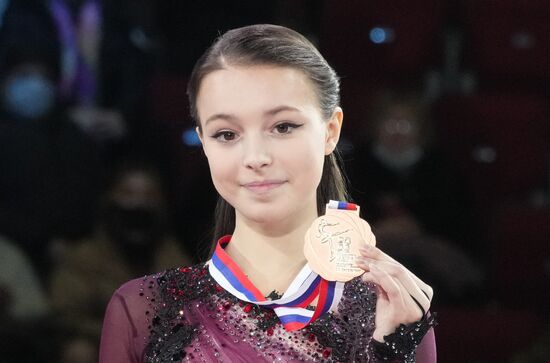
{"points": [[173, 280], [137, 301]]}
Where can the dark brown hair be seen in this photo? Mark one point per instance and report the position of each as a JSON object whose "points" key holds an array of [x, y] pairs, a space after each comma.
{"points": [[266, 44]]}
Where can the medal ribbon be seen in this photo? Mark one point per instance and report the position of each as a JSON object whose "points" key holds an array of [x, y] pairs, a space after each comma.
{"points": [[291, 307], [334, 204]]}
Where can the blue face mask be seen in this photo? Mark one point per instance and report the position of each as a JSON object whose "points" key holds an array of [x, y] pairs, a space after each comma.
{"points": [[29, 96]]}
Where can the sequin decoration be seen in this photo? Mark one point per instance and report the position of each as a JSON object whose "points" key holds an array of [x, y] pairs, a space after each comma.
{"points": [[192, 319]]}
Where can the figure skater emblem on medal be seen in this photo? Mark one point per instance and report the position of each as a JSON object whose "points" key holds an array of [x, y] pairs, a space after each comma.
{"points": [[332, 243]]}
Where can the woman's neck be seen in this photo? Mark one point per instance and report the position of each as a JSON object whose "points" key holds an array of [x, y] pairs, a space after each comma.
{"points": [[270, 260]]}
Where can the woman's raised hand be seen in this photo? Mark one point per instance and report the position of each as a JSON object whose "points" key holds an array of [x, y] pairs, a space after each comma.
{"points": [[402, 297]]}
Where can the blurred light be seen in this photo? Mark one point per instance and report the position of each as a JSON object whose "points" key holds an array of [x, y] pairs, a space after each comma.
{"points": [[190, 137], [3, 6], [523, 40], [398, 126], [380, 35], [484, 154]]}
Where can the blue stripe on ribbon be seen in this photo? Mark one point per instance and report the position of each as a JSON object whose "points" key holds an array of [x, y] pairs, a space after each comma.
{"points": [[300, 298], [294, 318], [329, 298], [233, 280], [342, 205], [307, 293]]}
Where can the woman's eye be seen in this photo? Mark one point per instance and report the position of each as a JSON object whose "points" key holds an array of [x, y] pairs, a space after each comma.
{"points": [[286, 127], [225, 136]]}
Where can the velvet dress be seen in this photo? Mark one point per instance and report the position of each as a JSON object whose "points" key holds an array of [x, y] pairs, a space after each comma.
{"points": [[183, 315]]}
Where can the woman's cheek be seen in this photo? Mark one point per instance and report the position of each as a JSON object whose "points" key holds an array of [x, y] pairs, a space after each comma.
{"points": [[223, 171]]}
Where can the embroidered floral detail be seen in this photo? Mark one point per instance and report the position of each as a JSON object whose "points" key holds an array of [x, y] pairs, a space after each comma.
{"points": [[176, 335]]}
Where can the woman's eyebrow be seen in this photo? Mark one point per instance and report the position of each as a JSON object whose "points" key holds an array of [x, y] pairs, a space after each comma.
{"points": [[233, 118], [221, 116], [278, 109]]}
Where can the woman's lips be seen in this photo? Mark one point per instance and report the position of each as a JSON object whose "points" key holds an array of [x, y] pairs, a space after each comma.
{"points": [[263, 186]]}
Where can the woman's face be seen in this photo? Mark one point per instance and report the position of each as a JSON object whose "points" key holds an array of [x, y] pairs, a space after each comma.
{"points": [[265, 140]]}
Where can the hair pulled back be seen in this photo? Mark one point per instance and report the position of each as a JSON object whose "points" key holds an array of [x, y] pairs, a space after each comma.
{"points": [[266, 44]]}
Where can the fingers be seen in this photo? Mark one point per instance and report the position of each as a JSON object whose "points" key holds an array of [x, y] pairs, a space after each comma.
{"points": [[376, 254], [403, 279], [413, 291], [404, 276], [410, 307], [389, 285]]}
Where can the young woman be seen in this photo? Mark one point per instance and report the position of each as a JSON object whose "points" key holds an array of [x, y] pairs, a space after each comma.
{"points": [[266, 106]]}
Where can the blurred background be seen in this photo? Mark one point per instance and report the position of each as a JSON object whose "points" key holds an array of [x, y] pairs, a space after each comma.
{"points": [[445, 140]]}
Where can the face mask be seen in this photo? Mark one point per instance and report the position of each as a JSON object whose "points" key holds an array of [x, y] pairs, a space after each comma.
{"points": [[398, 162], [134, 226], [29, 97]]}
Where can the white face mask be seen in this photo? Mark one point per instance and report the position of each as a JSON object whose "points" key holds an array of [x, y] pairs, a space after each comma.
{"points": [[398, 161], [29, 97]]}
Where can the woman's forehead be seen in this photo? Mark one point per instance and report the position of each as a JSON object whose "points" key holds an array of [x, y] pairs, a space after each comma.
{"points": [[260, 88]]}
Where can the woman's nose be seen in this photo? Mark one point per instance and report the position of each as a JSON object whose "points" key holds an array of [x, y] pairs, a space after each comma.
{"points": [[256, 153]]}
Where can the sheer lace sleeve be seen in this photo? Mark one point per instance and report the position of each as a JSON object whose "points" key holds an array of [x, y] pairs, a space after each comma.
{"points": [[349, 331], [426, 351], [126, 324]]}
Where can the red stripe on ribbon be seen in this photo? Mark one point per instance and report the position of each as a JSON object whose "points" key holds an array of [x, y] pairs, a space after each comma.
{"points": [[323, 289], [227, 261]]}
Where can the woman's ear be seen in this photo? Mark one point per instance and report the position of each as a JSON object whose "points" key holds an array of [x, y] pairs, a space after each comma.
{"points": [[334, 126]]}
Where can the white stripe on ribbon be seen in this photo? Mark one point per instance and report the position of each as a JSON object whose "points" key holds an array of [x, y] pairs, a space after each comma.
{"points": [[297, 288], [223, 282], [300, 284], [299, 280], [281, 311], [338, 292]]}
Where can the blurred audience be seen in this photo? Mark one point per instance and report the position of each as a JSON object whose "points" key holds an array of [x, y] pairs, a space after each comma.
{"points": [[50, 170], [24, 308], [408, 192], [539, 350], [74, 82], [22, 297], [188, 33], [132, 238], [106, 51]]}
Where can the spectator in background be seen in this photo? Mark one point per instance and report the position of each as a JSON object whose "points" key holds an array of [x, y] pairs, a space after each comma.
{"points": [[50, 171], [131, 238], [412, 198], [24, 308], [106, 51], [22, 297], [62, 61]]}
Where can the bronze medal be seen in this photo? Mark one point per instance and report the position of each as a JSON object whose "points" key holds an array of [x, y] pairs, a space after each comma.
{"points": [[332, 243]]}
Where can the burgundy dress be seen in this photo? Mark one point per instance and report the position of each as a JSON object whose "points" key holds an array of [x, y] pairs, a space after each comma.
{"points": [[184, 315]]}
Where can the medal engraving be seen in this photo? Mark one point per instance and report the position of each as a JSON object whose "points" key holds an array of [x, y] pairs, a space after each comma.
{"points": [[326, 236], [332, 244]]}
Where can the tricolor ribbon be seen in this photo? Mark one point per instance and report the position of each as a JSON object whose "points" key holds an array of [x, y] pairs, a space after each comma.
{"points": [[334, 204], [291, 307]]}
